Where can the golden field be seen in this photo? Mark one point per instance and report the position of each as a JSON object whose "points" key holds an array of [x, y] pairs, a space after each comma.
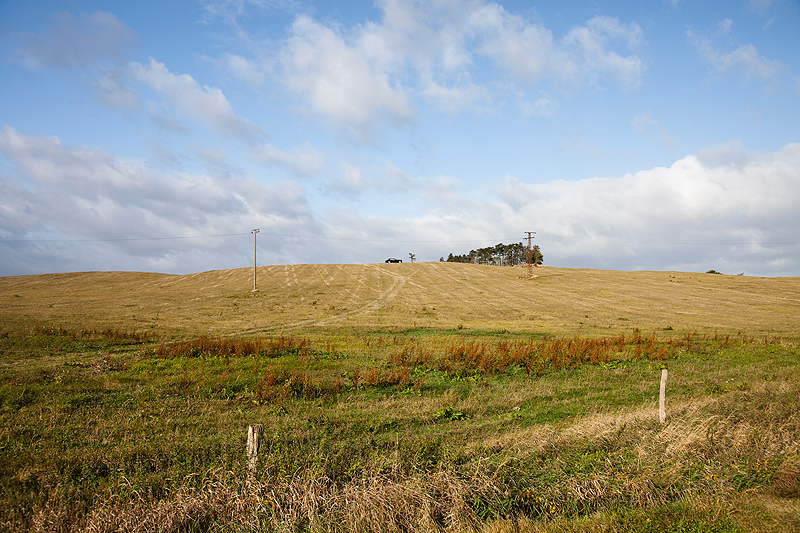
{"points": [[404, 296]]}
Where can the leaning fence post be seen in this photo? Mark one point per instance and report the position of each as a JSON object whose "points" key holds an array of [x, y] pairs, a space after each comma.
{"points": [[254, 434], [662, 398]]}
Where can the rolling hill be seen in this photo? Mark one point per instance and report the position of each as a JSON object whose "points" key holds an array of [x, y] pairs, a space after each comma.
{"points": [[441, 296]]}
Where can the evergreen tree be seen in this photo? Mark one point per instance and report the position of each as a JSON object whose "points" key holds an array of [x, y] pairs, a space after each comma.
{"points": [[499, 254]]}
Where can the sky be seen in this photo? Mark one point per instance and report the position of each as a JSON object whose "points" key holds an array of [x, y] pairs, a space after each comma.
{"points": [[154, 136]]}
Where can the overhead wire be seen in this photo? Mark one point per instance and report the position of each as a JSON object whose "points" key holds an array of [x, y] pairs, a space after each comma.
{"points": [[357, 239], [323, 237]]}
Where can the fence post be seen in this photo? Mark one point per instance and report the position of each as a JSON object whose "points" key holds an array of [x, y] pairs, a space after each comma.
{"points": [[662, 398], [254, 434]]}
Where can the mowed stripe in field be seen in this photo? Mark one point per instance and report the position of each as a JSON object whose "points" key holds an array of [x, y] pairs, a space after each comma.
{"points": [[345, 293]]}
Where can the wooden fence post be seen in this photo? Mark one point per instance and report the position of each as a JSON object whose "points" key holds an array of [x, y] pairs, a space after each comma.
{"points": [[662, 398], [254, 434]]}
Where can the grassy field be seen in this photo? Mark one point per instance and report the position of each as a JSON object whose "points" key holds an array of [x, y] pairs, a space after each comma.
{"points": [[439, 296], [424, 397]]}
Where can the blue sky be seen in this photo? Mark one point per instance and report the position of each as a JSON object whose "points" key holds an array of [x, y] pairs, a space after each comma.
{"points": [[154, 136]]}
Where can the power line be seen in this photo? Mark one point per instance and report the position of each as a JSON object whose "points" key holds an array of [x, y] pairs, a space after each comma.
{"points": [[322, 237], [355, 239], [125, 239], [699, 242]]}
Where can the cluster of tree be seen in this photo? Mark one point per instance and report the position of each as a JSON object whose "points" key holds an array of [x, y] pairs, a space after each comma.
{"points": [[499, 254]]}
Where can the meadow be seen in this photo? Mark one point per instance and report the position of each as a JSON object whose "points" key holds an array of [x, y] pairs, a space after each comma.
{"points": [[407, 397]]}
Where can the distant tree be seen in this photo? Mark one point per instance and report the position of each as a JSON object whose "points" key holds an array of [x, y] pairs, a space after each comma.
{"points": [[499, 254], [538, 258], [441, 259], [459, 258], [411, 256]]}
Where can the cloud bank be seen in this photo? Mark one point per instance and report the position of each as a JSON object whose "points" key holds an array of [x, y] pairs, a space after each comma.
{"points": [[69, 194], [725, 208], [360, 77]]}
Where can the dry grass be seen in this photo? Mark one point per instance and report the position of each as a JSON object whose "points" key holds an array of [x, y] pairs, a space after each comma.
{"points": [[443, 296], [376, 504]]}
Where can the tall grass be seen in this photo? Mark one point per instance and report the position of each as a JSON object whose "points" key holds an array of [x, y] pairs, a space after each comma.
{"points": [[539, 356], [229, 347]]}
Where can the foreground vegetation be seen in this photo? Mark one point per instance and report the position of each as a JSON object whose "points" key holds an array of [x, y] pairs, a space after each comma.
{"points": [[412, 430], [424, 397]]}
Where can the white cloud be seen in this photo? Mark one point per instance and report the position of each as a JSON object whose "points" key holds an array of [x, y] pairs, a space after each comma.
{"points": [[725, 26], [726, 208], [113, 92], [597, 58], [395, 179], [450, 53], [453, 99], [241, 68], [304, 162], [541, 107], [352, 181], [162, 118], [760, 6], [340, 81], [643, 121], [526, 50], [82, 41], [81, 193], [744, 57], [718, 204], [205, 103]]}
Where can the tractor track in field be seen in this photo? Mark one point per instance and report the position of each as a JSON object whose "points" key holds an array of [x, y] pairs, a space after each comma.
{"points": [[461, 283], [383, 298]]}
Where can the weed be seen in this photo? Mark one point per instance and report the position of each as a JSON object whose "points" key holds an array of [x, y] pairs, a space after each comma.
{"points": [[448, 413]]}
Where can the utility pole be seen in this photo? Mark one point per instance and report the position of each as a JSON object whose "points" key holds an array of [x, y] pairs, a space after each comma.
{"points": [[529, 254], [254, 232]]}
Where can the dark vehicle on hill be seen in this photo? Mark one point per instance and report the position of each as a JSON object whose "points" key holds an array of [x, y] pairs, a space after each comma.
{"points": [[394, 260]]}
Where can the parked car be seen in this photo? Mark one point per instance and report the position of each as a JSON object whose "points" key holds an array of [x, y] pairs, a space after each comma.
{"points": [[394, 260]]}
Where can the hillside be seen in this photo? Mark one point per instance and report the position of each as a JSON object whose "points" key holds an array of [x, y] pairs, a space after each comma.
{"points": [[443, 296]]}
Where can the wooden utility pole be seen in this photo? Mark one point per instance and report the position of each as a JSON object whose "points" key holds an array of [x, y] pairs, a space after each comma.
{"points": [[529, 254], [254, 232]]}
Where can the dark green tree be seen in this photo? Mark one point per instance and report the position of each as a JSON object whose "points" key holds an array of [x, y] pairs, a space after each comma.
{"points": [[499, 254], [538, 258]]}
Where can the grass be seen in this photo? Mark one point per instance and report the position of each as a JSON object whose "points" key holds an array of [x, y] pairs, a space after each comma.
{"points": [[108, 426]]}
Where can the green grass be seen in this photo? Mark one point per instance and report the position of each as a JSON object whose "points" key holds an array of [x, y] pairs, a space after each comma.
{"points": [[396, 398], [97, 425]]}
